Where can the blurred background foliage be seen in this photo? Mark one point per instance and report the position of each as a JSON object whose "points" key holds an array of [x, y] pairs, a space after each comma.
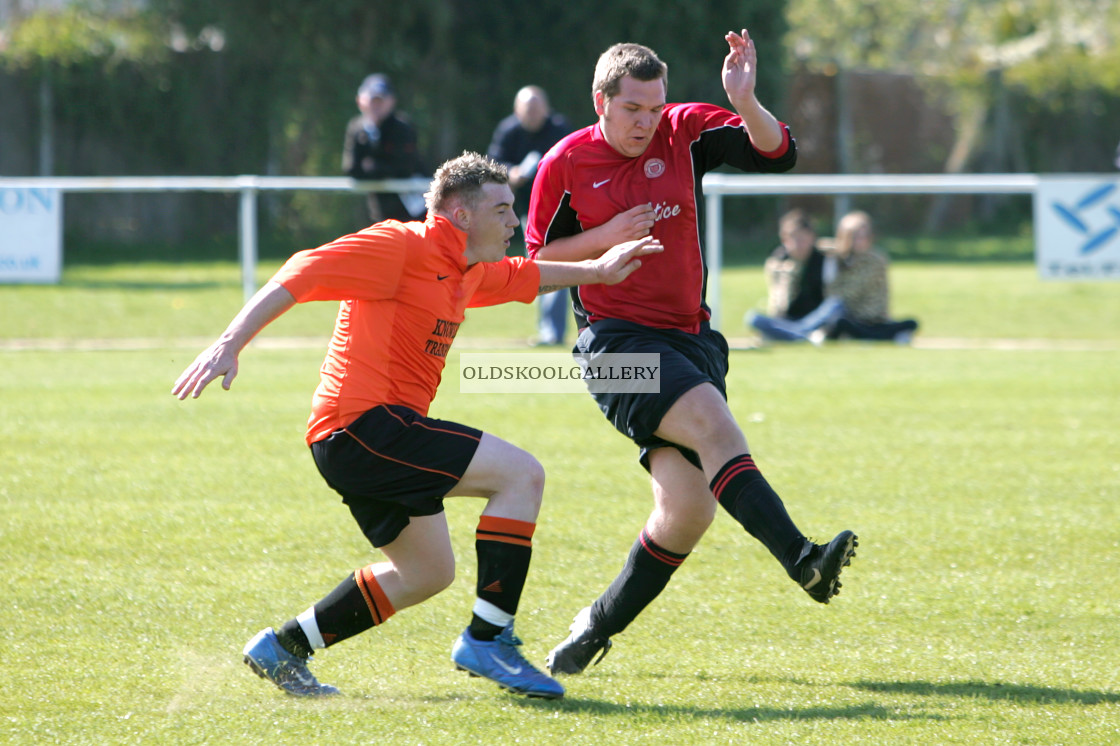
{"points": [[222, 87]]}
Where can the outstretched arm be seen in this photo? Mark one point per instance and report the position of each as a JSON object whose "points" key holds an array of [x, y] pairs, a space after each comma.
{"points": [[609, 269], [740, 74], [625, 226], [220, 358]]}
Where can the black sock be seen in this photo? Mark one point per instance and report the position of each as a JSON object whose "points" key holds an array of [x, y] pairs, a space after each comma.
{"points": [[293, 639], [504, 548], [744, 493], [643, 577], [483, 630], [354, 606]]}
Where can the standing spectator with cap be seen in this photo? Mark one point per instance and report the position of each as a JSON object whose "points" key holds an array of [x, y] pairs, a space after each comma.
{"points": [[381, 144]]}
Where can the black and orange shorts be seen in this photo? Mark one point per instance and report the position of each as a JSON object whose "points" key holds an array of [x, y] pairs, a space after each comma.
{"points": [[393, 463]]}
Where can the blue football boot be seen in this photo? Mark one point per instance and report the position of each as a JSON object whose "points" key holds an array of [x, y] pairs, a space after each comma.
{"points": [[271, 661], [501, 662]]}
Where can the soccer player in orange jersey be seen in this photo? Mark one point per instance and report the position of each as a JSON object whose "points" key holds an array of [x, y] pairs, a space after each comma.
{"points": [[403, 289]]}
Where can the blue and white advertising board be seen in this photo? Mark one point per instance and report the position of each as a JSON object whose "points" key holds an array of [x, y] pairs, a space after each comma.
{"points": [[1077, 228], [30, 235]]}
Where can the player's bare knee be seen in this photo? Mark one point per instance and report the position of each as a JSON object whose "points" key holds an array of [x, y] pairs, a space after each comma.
{"points": [[703, 431], [527, 477], [704, 513], [719, 430], [686, 516], [434, 579], [443, 580], [696, 521]]}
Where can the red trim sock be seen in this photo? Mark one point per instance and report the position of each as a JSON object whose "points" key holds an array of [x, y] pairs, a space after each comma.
{"points": [[744, 493], [645, 574]]}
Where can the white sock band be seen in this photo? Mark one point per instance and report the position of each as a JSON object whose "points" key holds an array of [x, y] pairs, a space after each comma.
{"points": [[491, 613], [310, 628]]}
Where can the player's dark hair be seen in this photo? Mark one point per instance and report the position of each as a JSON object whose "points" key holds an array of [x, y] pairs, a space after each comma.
{"points": [[463, 177], [639, 62]]}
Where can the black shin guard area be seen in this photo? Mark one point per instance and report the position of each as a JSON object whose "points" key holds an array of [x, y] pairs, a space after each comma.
{"points": [[643, 577], [744, 493]]}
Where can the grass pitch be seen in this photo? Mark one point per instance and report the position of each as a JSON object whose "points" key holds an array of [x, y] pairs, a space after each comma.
{"points": [[144, 540]]}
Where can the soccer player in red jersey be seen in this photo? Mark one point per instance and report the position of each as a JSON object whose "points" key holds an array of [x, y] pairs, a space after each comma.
{"points": [[403, 289], [637, 172]]}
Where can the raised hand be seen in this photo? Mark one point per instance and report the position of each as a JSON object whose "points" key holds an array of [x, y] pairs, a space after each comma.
{"points": [[740, 66]]}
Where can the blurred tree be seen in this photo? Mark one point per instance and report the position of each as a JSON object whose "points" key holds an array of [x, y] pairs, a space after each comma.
{"points": [[1009, 67], [293, 66], [267, 86], [1041, 47], [457, 63], [74, 36]]}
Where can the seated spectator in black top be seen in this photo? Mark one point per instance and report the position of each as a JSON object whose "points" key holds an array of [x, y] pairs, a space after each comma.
{"points": [[797, 304]]}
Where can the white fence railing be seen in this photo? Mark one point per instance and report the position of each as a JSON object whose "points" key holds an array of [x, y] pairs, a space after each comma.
{"points": [[247, 187], [716, 188]]}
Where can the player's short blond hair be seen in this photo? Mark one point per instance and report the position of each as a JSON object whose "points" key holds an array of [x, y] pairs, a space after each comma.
{"points": [[639, 62], [462, 177]]}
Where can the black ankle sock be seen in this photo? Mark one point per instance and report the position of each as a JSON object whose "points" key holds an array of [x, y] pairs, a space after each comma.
{"points": [[293, 639], [483, 630], [643, 577]]}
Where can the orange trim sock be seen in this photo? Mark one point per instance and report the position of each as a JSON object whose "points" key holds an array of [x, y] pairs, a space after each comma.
{"points": [[504, 547], [357, 604]]}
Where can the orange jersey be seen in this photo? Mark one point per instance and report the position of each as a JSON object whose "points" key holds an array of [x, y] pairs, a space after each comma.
{"points": [[404, 288]]}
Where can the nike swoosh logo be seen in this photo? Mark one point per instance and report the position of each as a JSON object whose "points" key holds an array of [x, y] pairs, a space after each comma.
{"points": [[511, 670], [816, 579], [442, 277], [598, 184]]}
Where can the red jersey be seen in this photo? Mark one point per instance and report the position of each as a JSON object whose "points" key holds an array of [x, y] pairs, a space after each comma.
{"points": [[403, 289], [583, 182]]}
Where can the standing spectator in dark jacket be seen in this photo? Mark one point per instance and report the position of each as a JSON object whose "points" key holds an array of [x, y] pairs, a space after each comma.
{"points": [[381, 144], [519, 141]]}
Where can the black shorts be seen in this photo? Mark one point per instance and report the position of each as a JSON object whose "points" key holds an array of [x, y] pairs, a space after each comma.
{"points": [[392, 463], [687, 361]]}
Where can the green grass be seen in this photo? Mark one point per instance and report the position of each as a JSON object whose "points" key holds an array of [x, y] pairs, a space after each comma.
{"points": [[143, 539], [142, 300]]}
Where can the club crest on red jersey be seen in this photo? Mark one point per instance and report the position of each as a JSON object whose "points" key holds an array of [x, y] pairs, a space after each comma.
{"points": [[655, 167]]}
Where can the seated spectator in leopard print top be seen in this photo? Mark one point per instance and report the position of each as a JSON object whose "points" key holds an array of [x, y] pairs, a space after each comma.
{"points": [[861, 285]]}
